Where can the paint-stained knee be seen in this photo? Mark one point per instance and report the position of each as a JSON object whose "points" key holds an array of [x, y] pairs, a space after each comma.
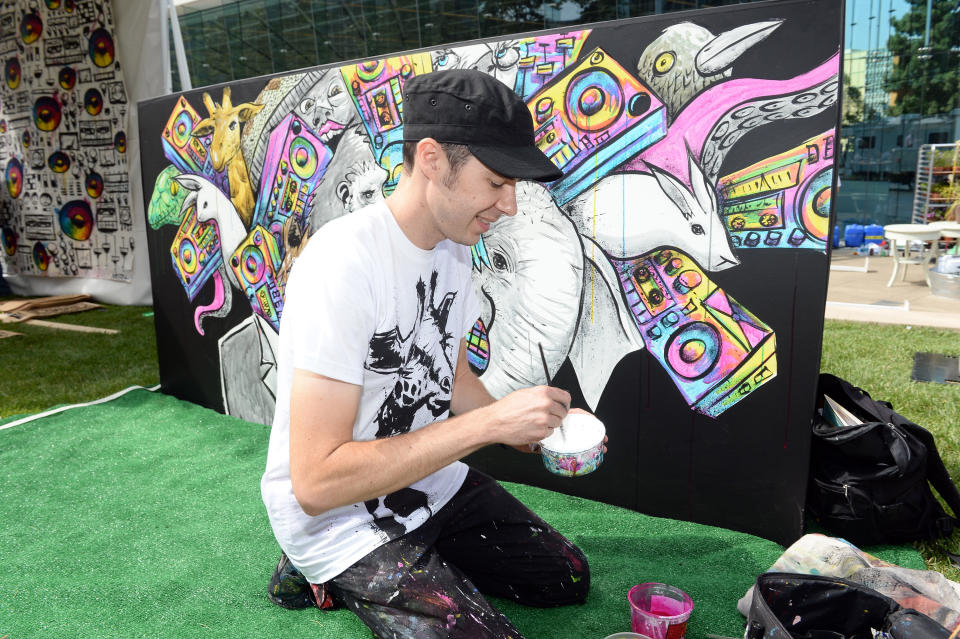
{"points": [[568, 583]]}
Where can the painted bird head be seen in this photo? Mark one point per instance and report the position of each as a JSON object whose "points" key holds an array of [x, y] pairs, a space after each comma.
{"points": [[686, 58]]}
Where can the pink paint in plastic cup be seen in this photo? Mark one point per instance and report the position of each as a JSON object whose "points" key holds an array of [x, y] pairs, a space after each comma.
{"points": [[659, 611]]}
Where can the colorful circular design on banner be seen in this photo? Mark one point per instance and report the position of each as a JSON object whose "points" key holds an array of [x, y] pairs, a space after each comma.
{"points": [[94, 185], [120, 142], [814, 205], [52, 4], [25, 138], [41, 259], [3, 126], [594, 100], [59, 162], [303, 158], [69, 6], [693, 351], [31, 27], [252, 264], [93, 101], [14, 177], [46, 114], [8, 238], [76, 219], [11, 72], [101, 47], [67, 78]]}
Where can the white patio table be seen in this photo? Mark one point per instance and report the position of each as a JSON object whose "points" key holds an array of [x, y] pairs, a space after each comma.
{"points": [[902, 237]]}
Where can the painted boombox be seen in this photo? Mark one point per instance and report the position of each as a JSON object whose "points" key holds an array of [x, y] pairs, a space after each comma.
{"points": [[186, 152], [195, 251], [593, 118], [714, 349], [376, 87], [255, 264], [544, 57], [295, 162], [783, 201]]}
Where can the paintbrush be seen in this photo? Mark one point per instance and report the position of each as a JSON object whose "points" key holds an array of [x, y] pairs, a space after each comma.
{"points": [[546, 371], [543, 358]]}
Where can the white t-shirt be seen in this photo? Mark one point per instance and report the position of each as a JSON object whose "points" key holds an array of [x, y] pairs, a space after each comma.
{"points": [[366, 306]]}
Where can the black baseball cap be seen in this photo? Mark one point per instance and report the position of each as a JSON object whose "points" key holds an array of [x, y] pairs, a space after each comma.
{"points": [[463, 106]]}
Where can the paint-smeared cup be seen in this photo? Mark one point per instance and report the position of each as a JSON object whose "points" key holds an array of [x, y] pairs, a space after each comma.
{"points": [[659, 611], [576, 447]]}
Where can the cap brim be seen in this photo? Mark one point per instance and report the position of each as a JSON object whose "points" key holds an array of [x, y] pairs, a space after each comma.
{"points": [[521, 162]]}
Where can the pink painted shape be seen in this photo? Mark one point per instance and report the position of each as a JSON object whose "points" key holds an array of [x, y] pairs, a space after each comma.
{"points": [[695, 122], [754, 335], [218, 298], [719, 301]]}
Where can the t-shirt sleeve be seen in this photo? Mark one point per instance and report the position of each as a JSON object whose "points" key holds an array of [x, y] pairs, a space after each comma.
{"points": [[329, 311]]}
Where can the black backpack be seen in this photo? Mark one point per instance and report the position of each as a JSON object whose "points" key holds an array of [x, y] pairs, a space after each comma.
{"points": [[870, 483]]}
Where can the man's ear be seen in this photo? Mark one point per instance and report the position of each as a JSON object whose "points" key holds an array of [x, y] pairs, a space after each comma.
{"points": [[431, 158]]}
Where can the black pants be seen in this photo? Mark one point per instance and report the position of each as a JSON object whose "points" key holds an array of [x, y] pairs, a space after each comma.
{"points": [[428, 583]]}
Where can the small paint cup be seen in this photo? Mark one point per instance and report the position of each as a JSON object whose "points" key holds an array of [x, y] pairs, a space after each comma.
{"points": [[659, 611], [576, 447]]}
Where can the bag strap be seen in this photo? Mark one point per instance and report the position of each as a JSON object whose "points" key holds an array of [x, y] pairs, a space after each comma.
{"points": [[936, 472]]}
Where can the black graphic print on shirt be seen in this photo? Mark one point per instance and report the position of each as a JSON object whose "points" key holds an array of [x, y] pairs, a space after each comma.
{"points": [[421, 362], [399, 512]]}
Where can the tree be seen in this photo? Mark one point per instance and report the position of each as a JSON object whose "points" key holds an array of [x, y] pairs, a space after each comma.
{"points": [[852, 102], [926, 81]]}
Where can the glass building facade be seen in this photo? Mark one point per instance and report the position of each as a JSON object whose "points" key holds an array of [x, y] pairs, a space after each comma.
{"points": [[900, 70]]}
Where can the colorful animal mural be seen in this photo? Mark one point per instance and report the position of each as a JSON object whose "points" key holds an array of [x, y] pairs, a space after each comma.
{"points": [[677, 167], [64, 207]]}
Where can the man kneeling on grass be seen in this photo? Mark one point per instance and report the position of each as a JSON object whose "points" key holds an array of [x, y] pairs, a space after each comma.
{"points": [[363, 486]]}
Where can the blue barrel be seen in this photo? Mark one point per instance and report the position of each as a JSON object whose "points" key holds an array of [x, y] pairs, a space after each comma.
{"points": [[836, 236], [873, 233], [853, 235]]}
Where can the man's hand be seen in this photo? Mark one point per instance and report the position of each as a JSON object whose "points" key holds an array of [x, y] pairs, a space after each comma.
{"points": [[526, 416], [535, 448]]}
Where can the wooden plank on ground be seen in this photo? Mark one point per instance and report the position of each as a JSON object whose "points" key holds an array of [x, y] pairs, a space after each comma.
{"points": [[50, 311], [71, 327], [41, 302], [8, 334]]}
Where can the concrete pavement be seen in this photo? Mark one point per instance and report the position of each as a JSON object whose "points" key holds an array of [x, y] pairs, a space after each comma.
{"points": [[865, 297]]}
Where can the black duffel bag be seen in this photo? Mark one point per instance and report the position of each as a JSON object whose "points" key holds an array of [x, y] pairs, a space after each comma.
{"points": [[870, 483], [792, 606]]}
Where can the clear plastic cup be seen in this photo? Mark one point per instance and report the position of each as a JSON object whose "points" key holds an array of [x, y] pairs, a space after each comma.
{"points": [[659, 611]]}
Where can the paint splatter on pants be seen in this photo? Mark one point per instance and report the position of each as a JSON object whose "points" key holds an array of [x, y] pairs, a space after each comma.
{"points": [[428, 583]]}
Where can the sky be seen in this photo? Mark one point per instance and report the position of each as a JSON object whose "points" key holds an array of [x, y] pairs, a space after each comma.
{"points": [[861, 30]]}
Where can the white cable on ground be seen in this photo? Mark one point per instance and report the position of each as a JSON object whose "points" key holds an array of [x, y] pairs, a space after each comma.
{"points": [[60, 409]]}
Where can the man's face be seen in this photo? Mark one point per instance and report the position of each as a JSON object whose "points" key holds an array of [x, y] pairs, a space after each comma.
{"points": [[466, 204]]}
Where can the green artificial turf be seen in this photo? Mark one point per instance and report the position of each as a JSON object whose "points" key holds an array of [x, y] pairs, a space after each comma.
{"points": [[46, 367], [141, 517]]}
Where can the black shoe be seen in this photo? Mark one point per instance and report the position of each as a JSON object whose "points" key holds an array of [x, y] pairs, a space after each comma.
{"points": [[288, 587]]}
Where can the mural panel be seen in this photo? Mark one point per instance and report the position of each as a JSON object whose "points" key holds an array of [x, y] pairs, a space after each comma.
{"points": [[64, 206], [674, 276]]}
